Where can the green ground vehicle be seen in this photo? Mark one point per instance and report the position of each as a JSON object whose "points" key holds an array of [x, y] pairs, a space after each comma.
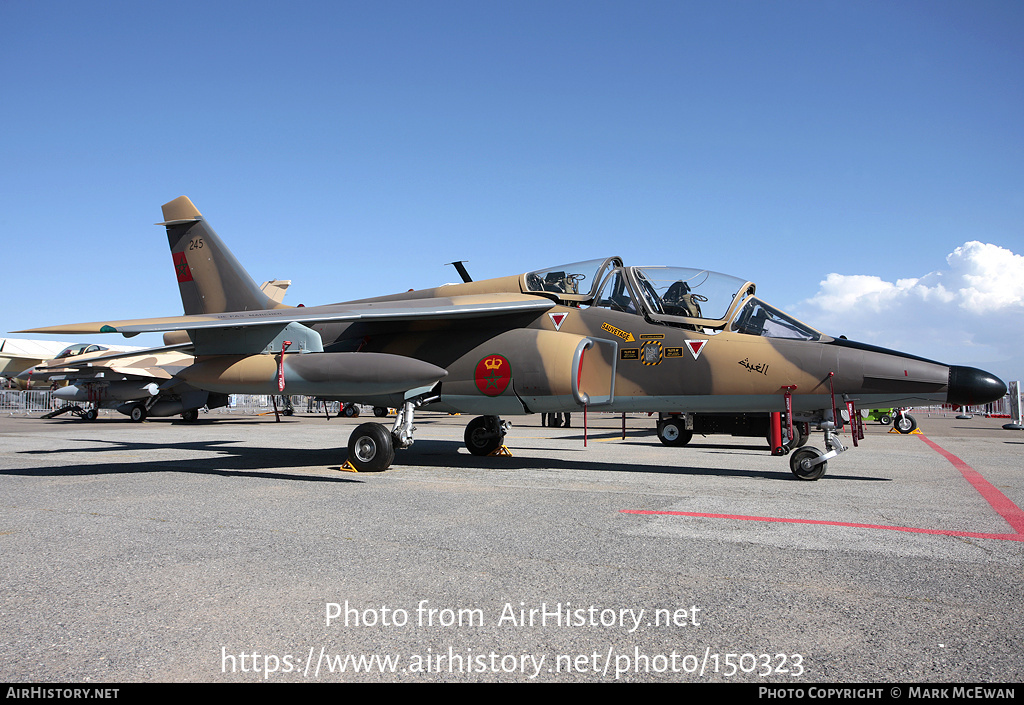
{"points": [[882, 416], [899, 418]]}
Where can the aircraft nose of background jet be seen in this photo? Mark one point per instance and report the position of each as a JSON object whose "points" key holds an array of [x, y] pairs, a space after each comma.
{"points": [[969, 386]]}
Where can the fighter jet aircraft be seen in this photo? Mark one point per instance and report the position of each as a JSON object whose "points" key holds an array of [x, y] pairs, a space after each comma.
{"points": [[138, 383], [597, 334], [16, 355]]}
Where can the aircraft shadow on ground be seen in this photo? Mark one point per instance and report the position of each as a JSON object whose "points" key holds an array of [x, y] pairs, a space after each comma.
{"points": [[429, 453], [236, 460], [232, 460]]}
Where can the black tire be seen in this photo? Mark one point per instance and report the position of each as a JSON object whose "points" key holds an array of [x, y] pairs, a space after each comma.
{"points": [[800, 457], [350, 411], [672, 433], [190, 416], [802, 433], [138, 413], [380, 411], [800, 437], [905, 423], [371, 448], [885, 419], [91, 415], [483, 435]]}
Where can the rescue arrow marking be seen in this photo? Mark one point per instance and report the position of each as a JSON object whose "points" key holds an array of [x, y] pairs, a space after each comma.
{"points": [[695, 347], [557, 319]]}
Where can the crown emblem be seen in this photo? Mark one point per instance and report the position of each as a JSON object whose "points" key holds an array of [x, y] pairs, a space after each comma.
{"points": [[493, 363]]}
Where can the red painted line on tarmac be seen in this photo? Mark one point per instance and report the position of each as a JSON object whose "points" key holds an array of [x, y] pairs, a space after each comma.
{"points": [[1000, 502], [909, 529], [1009, 511]]}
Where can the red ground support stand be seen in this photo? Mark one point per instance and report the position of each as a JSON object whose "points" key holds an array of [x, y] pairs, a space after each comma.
{"points": [[775, 431]]}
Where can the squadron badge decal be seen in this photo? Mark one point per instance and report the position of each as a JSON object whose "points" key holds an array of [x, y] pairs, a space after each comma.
{"points": [[493, 374]]}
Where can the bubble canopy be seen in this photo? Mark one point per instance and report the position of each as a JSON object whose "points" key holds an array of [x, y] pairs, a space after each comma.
{"points": [[697, 299]]}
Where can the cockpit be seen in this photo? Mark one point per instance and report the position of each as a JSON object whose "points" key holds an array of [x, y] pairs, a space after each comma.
{"points": [[693, 299], [80, 349]]}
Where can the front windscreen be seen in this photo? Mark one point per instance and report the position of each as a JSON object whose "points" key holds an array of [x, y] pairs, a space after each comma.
{"points": [[758, 318], [692, 293]]}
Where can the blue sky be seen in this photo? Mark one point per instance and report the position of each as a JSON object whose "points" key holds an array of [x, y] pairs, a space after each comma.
{"points": [[842, 155]]}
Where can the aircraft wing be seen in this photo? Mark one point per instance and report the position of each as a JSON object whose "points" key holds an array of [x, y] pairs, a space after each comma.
{"points": [[453, 308]]}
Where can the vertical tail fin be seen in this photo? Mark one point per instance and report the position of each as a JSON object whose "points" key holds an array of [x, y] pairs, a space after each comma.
{"points": [[210, 279]]}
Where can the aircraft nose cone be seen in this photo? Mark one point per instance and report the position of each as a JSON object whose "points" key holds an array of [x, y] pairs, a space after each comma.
{"points": [[25, 374], [969, 386]]}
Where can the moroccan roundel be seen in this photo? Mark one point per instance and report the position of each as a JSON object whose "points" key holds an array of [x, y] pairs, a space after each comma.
{"points": [[493, 373]]}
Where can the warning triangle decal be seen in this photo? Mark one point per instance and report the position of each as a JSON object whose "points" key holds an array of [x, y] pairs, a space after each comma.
{"points": [[557, 319], [695, 347]]}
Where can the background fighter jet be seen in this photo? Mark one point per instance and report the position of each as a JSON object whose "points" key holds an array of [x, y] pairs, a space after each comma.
{"points": [[592, 334], [138, 383], [17, 355]]}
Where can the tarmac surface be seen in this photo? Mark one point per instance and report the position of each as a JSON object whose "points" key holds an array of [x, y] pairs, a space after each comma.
{"points": [[236, 550]]}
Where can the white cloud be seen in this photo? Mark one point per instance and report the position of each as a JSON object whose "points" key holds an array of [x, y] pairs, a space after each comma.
{"points": [[991, 277], [970, 313]]}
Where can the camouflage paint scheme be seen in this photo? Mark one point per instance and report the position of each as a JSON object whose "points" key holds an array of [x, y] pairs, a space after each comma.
{"points": [[597, 334]]}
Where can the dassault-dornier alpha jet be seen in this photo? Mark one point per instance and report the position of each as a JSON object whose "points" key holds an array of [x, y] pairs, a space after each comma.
{"points": [[595, 334]]}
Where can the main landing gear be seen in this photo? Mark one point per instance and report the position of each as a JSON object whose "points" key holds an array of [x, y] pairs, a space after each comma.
{"points": [[371, 447], [485, 434]]}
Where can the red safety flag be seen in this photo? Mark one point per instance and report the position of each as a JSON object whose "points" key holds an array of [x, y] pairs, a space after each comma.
{"points": [[280, 366]]}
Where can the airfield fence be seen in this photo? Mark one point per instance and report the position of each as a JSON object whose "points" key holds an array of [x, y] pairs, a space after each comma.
{"points": [[13, 402], [20, 402], [998, 409]]}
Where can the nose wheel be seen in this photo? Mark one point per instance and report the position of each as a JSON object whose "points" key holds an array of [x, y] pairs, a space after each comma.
{"points": [[904, 422], [809, 463], [806, 464]]}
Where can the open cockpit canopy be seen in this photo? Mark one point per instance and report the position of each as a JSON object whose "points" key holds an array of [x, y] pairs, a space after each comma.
{"points": [[570, 283], [695, 299]]}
